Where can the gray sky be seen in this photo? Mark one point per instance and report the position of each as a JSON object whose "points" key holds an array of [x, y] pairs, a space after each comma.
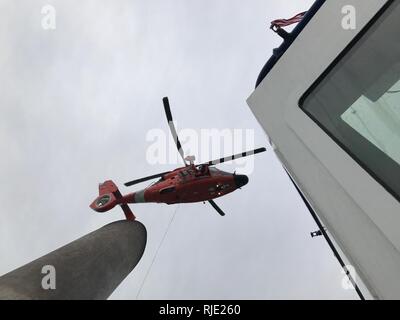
{"points": [[77, 103]]}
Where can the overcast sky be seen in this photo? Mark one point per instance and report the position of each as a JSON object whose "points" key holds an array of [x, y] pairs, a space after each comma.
{"points": [[77, 103]]}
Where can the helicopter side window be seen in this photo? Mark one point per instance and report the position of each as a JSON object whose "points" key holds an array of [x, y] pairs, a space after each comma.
{"points": [[184, 173], [167, 190]]}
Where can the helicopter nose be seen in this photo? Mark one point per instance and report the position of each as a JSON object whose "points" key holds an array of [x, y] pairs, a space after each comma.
{"points": [[241, 180]]}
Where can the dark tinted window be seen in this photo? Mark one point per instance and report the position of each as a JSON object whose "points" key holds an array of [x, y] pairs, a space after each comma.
{"points": [[357, 101], [167, 190]]}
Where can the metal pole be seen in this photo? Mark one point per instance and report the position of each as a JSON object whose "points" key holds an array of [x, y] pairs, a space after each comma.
{"points": [[88, 268]]}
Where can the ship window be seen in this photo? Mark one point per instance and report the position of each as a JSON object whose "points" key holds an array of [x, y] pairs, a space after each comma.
{"points": [[357, 100]]}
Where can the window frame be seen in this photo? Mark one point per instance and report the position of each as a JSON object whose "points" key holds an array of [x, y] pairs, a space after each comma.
{"points": [[325, 74]]}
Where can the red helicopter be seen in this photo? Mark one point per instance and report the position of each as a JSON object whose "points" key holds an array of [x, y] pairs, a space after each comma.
{"points": [[191, 183]]}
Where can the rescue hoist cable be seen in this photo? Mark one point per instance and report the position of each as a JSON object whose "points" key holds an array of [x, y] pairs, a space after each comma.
{"points": [[158, 249]]}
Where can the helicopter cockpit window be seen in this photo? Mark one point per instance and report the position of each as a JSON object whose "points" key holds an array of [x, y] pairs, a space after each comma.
{"points": [[213, 171], [201, 170]]}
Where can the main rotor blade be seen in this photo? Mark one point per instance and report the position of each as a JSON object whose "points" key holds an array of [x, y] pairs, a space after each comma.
{"points": [[172, 127], [216, 207], [236, 156], [131, 183]]}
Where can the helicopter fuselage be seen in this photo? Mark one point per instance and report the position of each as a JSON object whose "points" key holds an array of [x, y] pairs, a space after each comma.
{"points": [[192, 183], [183, 185]]}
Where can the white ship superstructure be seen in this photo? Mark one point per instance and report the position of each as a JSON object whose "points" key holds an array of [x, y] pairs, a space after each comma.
{"points": [[329, 101]]}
